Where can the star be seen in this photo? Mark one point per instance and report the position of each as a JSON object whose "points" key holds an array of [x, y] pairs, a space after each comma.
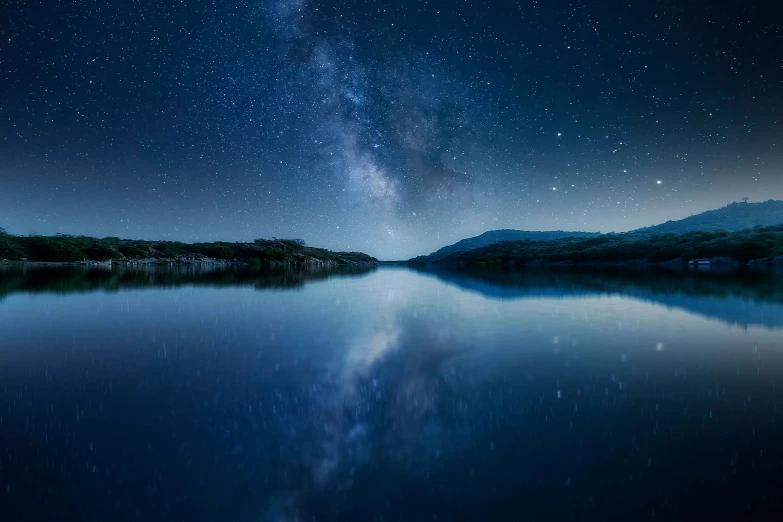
{"points": [[440, 137]]}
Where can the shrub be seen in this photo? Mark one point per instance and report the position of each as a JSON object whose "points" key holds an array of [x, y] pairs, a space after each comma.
{"points": [[133, 251], [102, 252], [58, 249], [9, 248]]}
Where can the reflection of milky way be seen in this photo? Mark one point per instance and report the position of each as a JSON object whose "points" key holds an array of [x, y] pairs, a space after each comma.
{"points": [[393, 396], [376, 411]]}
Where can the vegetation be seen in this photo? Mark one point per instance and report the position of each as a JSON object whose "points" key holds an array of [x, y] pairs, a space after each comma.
{"points": [[744, 246], [66, 248]]}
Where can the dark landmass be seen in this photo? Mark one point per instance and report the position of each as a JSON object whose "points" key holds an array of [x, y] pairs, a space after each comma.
{"points": [[744, 298], [760, 245], [496, 236], [267, 252], [68, 279], [733, 218]]}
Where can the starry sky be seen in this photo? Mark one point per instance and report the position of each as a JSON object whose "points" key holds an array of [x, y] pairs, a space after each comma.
{"points": [[392, 128]]}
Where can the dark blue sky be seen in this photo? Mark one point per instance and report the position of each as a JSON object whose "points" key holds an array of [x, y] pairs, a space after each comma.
{"points": [[388, 129]]}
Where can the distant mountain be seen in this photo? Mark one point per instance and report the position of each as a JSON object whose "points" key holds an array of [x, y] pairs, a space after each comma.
{"points": [[733, 217], [496, 236]]}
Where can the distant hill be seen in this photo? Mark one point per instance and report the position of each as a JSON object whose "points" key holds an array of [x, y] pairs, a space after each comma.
{"points": [[496, 236], [733, 217], [760, 243]]}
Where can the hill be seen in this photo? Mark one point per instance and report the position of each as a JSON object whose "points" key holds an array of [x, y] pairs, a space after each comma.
{"points": [[744, 246], [496, 236], [733, 217], [270, 252]]}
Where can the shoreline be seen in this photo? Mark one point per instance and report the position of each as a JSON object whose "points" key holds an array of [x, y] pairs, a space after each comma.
{"points": [[186, 262], [716, 264]]}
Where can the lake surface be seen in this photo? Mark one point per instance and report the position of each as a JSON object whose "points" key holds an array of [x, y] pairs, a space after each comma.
{"points": [[390, 395]]}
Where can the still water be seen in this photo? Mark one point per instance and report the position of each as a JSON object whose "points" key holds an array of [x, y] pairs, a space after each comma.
{"points": [[390, 395]]}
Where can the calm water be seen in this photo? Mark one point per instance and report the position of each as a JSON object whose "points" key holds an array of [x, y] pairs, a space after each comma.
{"points": [[390, 395]]}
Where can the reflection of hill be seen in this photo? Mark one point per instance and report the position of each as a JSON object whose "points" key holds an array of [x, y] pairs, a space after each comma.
{"points": [[69, 279], [745, 299]]}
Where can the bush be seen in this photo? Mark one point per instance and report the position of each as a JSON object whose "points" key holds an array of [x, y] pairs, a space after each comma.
{"points": [[9, 248], [58, 249], [131, 251], [217, 251], [102, 252]]}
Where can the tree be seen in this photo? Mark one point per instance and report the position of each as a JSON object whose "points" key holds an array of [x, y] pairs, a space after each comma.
{"points": [[3, 232], [745, 199]]}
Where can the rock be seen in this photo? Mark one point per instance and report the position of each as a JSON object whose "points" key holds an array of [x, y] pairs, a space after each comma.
{"points": [[758, 264], [724, 261], [673, 263]]}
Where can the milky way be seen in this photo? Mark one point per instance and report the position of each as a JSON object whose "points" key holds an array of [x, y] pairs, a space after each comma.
{"points": [[390, 129]]}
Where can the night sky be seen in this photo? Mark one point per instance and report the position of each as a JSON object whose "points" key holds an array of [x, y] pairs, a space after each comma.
{"points": [[391, 128]]}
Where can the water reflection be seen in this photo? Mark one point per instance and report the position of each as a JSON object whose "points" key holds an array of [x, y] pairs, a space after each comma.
{"points": [[65, 279], [739, 297], [392, 396]]}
